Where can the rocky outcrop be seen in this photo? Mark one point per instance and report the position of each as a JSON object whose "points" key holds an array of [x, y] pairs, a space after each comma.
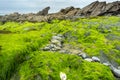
{"points": [[10, 17], [69, 11], [101, 8], [94, 9], [41, 15], [44, 11]]}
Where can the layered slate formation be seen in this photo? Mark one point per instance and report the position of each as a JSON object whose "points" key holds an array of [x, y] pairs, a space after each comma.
{"points": [[94, 9], [101, 8]]}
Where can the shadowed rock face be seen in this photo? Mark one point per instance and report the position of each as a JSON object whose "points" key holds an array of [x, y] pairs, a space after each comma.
{"points": [[44, 11], [101, 8], [94, 9]]}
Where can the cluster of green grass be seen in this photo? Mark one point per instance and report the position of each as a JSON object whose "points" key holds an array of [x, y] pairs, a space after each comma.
{"points": [[16, 46], [48, 65], [92, 35]]}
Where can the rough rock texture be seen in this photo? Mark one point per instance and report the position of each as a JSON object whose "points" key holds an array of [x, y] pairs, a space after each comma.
{"points": [[44, 11], [55, 44], [94, 9], [41, 15], [101, 8], [69, 11]]}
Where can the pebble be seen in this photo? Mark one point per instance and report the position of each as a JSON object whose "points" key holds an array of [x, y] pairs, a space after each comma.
{"points": [[83, 55], [88, 59], [106, 64], [96, 59], [57, 38], [55, 44]]}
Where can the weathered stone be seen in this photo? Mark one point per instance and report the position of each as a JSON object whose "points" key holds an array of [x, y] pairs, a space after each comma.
{"points": [[83, 55], [44, 11], [46, 48], [96, 59], [88, 59], [55, 44], [57, 38], [94, 9], [101, 8], [106, 64], [54, 41], [66, 10], [115, 71]]}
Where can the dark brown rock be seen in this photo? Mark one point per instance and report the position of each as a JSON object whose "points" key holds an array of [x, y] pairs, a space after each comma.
{"points": [[101, 8], [113, 8], [73, 12], [66, 10], [44, 11]]}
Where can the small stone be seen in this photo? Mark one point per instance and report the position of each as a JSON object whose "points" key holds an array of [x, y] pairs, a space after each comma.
{"points": [[106, 64], [51, 46], [54, 41], [83, 55], [56, 38], [96, 59], [53, 49], [119, 67], [60, 35], [57, 48], [88, 59], [46, 48]]}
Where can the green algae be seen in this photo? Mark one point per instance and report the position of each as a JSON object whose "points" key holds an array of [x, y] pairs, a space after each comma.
{"points": [[91, 35]]}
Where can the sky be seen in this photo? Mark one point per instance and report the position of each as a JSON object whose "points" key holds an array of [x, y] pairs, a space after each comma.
{"points": [[28, 6]]}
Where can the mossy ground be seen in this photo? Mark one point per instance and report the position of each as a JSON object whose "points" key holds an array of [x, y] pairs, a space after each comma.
{"points": [[48, 65], [20, 50]]}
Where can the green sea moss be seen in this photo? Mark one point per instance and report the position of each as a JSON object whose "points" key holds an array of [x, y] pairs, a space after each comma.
{"points": [[91, 35], [48, 65]]}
